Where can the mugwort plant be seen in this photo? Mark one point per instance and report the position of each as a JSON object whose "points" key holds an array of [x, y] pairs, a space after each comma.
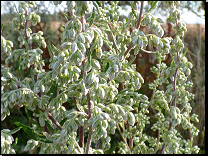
{"points": [[102, 85]]}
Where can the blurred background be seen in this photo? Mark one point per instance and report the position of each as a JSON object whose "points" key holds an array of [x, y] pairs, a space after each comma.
{"points": [[193, 14]]}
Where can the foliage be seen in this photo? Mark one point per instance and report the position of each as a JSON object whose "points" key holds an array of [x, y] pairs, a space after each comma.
{"points": [[102, 86]]}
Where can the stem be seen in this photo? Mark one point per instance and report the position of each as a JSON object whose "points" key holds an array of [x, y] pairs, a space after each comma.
{"points": [[158, 140], [26, 14], [54, 121], [103, 5], [153, 94], [97, 144], [163, 147], [46, 129], [75, 103], [36, 79], [130, 140], [81, 136], [191, 138], [124, 139], [81, 129], [174, 100], [121, 86], [140, 16], [76, 144], [89, 139]]}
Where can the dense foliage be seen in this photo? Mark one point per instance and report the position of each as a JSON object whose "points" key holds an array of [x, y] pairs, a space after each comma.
{"points": [[102, 85]]}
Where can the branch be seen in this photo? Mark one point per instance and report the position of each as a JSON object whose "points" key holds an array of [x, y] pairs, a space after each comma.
{"points": [[36, 78], [103, 5], [88, 100], [49, 114], [54, 121], [140, 16], [174, 85]]}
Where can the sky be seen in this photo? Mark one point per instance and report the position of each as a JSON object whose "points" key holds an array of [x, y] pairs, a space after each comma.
{"points": [[187, 17]]}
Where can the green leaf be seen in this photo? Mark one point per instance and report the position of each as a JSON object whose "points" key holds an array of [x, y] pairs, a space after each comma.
{"points": [[31, 133], [19, 67], [53, 90], [2, 27], [63, 121], [130, 62], [173, 62], [133, 11], [98, 100], [184, 54], [15, 142], [152, 6], [14, 131], [65, 15], [70, 100], [26, 45], [95, 63], [106, 67], [27, 113], [47, 36], [49, 126], [88, 53], [87, 65], [92, 17], [160, 20], [96, 5], [63, 26], [54, 47], [164, 111], [16, 8], [110, 151], [51, 53]]}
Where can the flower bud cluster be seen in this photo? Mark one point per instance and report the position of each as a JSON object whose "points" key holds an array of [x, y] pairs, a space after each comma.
{"points": [[138, 38], [31, 144], [163, 73], [130, 21], [123, 148], [8, 81], [6, 141], [174, 15], [100, 18], [141, 147], [153, 24], [6, 46]]}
